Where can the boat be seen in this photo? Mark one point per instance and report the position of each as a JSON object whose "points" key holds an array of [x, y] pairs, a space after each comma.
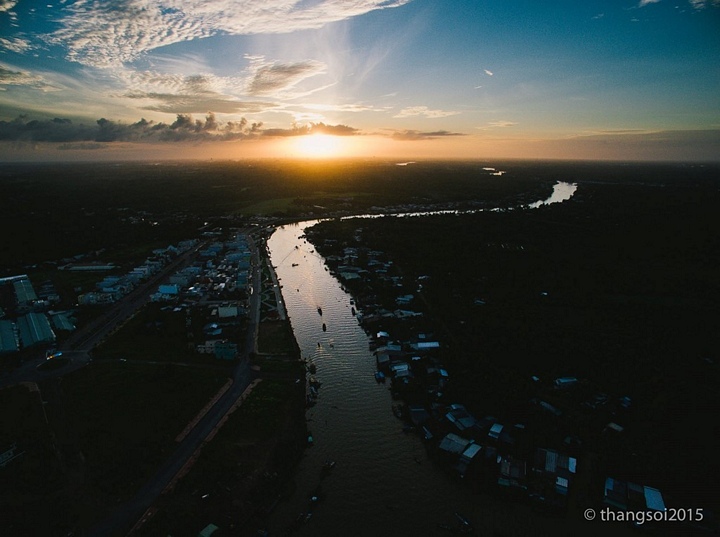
{"points": [[294, 264], [352, 310], [314, 382], [324, 328], [379, 376], [319, 310], [465, 526]]}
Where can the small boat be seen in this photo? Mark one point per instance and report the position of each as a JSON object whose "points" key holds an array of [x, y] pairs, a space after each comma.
{"points": [[324, 328], [314, 382], [310, 439], [294, 264], [312, 368], [319, 310], [379, 376], [465, 526], [352, 310]]}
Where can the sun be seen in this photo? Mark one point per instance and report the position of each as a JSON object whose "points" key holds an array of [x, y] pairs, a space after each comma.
{"points": [[317, 146]]}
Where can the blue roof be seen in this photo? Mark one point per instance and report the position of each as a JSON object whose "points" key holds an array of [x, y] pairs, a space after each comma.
{"points": [[35, 328], [654, 499], [8, 338]]}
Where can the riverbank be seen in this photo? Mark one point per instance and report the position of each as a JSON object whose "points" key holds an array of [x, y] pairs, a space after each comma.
{"points": [[574, 291], [245, 467]]}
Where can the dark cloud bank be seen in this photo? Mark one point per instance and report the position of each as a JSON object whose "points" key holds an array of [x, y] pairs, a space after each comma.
{"points": [[184, 129]]}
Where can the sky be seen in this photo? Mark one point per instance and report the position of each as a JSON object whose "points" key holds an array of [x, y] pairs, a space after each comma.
{"points": [[479, 79]]}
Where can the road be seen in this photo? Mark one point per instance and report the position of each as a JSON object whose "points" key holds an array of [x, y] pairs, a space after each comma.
{"points": [[126, 515], [78, 346]]}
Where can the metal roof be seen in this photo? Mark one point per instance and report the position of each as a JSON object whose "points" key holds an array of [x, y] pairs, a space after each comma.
{"points": [[24, 291], [35, 328], [8, 337], [654, 499], [454, 443]]}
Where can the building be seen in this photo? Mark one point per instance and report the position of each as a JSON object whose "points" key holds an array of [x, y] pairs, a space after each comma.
{"points": [[554, 470], [225, 350], [625, 496], [34, 329], [8, 337], [24, 292]]}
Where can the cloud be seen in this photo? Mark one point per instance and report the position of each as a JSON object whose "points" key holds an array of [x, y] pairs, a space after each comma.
{"points": [[413, 135], [110, 34], [15, 44], [271, 78], [188, 104], [488, 73], [702, 4], [678, 146], [598, 16], [423, 111], [353, 107], [501, 124], [644, 3], [7, 5], [82, 146], [312, 128], [184, 128], [9, 77]]}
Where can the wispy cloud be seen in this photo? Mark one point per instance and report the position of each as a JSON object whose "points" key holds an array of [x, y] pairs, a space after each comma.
{"points": [[501, 124], [109, 34], [702, 4], [312, 128], [271, 78], [352, 107], [644, 3], [488, 72], [9, 77], [414, 135], [188, 103], [413, 111]]}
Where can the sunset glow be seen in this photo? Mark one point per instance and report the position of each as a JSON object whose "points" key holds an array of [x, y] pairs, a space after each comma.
{"points": [[636, 79], [318, 146]]}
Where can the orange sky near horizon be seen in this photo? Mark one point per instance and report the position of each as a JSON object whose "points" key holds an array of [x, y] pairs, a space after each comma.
{"points": [[696, 146]]}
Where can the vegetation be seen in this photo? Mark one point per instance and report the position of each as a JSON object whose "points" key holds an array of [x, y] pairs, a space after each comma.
{"points": [[616, 287], [241, 471], [116, 422]]}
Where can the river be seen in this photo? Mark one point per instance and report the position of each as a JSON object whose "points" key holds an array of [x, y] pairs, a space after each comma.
{"points": [[383, 482]]}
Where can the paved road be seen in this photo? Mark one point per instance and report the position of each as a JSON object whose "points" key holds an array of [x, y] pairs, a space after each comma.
{"points": [[78, 346], [126, 515]]}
